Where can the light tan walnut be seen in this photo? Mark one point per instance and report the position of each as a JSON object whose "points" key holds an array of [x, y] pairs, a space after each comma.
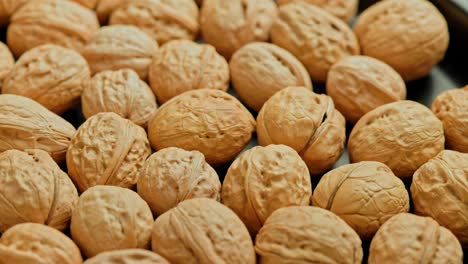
{"points": [[259, 70], [183, 65], [127, 256], [305, 121], [343, 9], [7, 8], [110, 218], [7, 62], [228, 25], [202, 231], [208, 120], [359, 84], [306, 234], [107, 150]]}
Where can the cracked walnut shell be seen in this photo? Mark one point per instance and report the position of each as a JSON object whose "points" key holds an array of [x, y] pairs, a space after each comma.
{"points": [[343, 9], [7, 62], [127, 256]]}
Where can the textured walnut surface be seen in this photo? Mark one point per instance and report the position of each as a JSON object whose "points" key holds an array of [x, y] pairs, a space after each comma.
{"points": [[7, 62], [343, 9], [88, 3], [127, 256], [104, 9], [7, 8]]}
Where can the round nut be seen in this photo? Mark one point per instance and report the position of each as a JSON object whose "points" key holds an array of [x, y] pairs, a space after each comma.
{"points": [[183, 65], [403, 135], [107, 149], [7, 8], [109, 218], [208, 120], [228, 25], [259, 70], [202, 230], [305, 121], [359, 84], [407, 238], [121, 92], [343, 9], [51, 75], [306, 234], [130, 256], [7, 62], [263, 179]]}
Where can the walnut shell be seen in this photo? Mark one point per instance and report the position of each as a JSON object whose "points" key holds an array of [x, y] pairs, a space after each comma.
{"points": [[317, 38], [39, 244], [407, 238], [305, 121], [228, 25], [259, 70], [104, 9], [121, 92], [7, 62], [306, 234], [204, 231], [208, 120], [409, 35], [343, 9], [359, 84], [263, 179], [7, 8], [440, 190], [183, 65], [127, 256], [51, 75], [109, 218], [66, 24], [107, 150], [26, 124], [88, 3]]}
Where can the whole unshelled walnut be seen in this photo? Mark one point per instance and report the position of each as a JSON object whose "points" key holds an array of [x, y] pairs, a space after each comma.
{"points": [[306, 234], [7, 8], [403, 135], [202, 231], [7, 62], [343, 9], [127, 256], [107, 150]]}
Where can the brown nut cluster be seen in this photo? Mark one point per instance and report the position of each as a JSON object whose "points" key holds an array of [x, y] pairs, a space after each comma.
{"points": [[343, 9], [403, 135], [7, 8], [202, 231], [305, 121], [127, 256], [359, 84], [183, 65], [107, 149], [7, 62], [306, 234], [261, 69], [264, 179]]}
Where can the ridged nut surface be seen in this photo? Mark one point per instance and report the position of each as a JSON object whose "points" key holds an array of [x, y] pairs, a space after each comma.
{"points": [[127, 256], [7, 8], [7, 62], [343, 9]]}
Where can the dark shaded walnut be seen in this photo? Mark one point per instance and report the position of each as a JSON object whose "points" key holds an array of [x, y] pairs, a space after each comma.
{"points": [[208, 120], [403, 135], [407, 238], [202, 231], [7, 62], [183, 65], [306, 234], [228, 25], [359, 84], [343, 9], [7, 8], [263, 179], [127, 256], [259, 70], [305, 121]]}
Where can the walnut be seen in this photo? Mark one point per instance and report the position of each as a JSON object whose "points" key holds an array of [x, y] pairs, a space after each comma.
{"points": [[305, 121], [259, 70], [343, 9], [7, 8], [7, 62], [127, 256], [88, 3], [107, 149], [263, 179], [183, 65], [104, 9], [306, 234], [208, 120], [202, 230], [403, 135]]}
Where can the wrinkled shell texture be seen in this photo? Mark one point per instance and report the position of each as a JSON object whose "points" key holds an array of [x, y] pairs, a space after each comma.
{"points": [[305, 121], [317, 38], [7, 62], [51, 75], [409, 35], [183, 65], [202, 231], [210, 121], [364, 194], [306, 234], [359, 84], [127, 256], [25, 124], [109, 218], [228, 25], [7, 8], [264, 179], [343, 9], [35, 243], [402, 135], [407, 238], [107, 150], [259, 70], [104, 9], [440, 190], [66, 24], [120, 92]]}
